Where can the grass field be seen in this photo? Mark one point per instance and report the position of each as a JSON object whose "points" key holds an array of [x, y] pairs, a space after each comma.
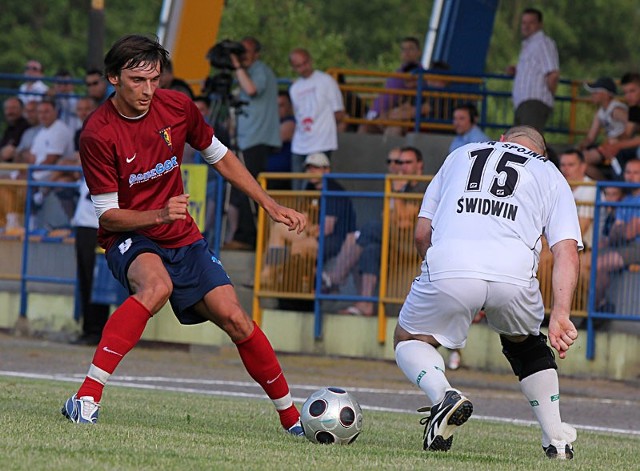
{"points": [[141, 430]]}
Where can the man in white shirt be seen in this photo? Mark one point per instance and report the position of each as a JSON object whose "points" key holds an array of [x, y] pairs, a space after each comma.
{"points": [[537, 73], [479, 233], [35, 89], [318, 108]]}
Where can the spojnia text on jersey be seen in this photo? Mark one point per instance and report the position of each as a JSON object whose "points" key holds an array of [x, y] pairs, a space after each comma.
{"points": [[487, 207]]}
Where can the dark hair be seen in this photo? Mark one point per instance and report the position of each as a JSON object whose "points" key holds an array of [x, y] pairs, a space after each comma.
{"points": [[533, 11], [573, 151], [257, 47], [93, 71], [471, 109], [285, 93], [630, 77], [411, 39], [49, 100], [415, 150], [204, 99], [133, 51]]}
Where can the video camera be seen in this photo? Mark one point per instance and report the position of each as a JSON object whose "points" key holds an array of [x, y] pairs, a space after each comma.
{"points": [[219, 56]]}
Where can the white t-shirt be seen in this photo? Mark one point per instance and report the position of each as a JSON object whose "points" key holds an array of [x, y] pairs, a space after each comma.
{"points": [[315, 100], [56, 139], [85, 214], [489, 205], [32, 91]]}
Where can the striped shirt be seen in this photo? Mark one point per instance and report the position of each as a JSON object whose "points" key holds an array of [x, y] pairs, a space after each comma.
{"points": [[538, 57]]}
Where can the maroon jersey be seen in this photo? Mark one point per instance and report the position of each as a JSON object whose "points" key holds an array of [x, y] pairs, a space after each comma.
{"points": [[140, 160]]}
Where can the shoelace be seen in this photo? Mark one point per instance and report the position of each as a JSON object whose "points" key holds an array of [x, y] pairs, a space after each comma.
{"points": [[427, 418], [88, 407]]}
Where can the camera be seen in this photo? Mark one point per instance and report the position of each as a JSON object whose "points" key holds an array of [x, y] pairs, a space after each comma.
{"points": [[219, 56]]}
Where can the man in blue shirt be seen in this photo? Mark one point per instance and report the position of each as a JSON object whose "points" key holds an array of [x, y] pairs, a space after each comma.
{"points": [[465, 117], [258, 126]]}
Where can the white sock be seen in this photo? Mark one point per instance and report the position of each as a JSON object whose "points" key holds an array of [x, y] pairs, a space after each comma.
{"points": [[543, 392], [424, 366]]}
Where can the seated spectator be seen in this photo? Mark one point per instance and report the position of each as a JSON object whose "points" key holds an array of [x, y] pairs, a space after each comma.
{"points": [[573, 167], [433, 108], [338, 223], [465, 117], [610, 194], [169, 81], [611, 117], [410, 55], [16, 125], [365, 246], [97, 85], [623, 150], [624, 240], [280, 161], [34, 88]]}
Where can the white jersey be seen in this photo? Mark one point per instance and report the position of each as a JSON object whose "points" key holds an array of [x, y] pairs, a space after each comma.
{"points": [[489, 205]]}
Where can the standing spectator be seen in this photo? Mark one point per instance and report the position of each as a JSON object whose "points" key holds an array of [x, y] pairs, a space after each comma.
{"points": [[537, 73], [573, 167], [152, 243], [97, 85], [280, 161], [34, 88], [16, 126], [318, 108], [466, 269], [66, 101], [628, 147], [258, 135], [465, 117]]}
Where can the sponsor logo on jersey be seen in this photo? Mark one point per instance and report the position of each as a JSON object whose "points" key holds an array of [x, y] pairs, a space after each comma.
{"points": [[487, 207], [158, 170], [165, 133]]}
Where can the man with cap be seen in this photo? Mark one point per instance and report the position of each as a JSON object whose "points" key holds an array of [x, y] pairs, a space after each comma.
{"points": [[612, 117]]}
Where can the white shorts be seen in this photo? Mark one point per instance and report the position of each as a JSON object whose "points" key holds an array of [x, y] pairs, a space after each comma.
{"points": [[444, 309]]}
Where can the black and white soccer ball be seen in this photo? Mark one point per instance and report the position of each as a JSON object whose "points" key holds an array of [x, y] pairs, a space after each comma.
{"points": [[331, 415]]}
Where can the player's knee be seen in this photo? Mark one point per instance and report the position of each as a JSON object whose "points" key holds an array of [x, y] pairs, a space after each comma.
{"points": [[530, 356], [155, 294]]}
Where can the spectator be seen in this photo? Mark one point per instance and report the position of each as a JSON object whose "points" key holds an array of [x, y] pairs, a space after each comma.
{"points": [[611, 117], [280, 161], [365, 246], [26, 140], [610, 194], [97, 85], [410, 55], [16, 125], [465, 117], [537, 73], [318, 108], [627, 148], [339, 223], [258, 135], [573, 167], [66, 101], [624, 239], [34, 88], [170, 82]]}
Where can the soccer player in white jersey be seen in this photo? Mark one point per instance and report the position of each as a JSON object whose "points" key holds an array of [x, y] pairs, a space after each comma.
{"points": [[479, 233]]}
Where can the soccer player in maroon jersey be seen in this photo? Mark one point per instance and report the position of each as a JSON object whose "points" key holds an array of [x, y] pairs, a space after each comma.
{"points": [[131, 150]]}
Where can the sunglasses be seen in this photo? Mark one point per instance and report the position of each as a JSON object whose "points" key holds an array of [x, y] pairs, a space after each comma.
{"points": [[92, 84], [398, 161], [32, 67]]}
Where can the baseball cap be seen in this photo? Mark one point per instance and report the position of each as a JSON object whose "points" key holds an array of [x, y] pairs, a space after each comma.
{"points": [[319, 159], [602, 84]]}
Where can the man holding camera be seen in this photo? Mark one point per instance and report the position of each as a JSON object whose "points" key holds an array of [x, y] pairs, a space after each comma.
{"points": [[258, 132]]}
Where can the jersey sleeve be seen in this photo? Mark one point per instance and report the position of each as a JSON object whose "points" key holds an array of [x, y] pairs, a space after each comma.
{"points": [[98, 163], [563, 220]]}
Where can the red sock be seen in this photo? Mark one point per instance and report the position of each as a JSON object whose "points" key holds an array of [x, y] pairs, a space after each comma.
{"points": [[121, 333], [261, 363]]}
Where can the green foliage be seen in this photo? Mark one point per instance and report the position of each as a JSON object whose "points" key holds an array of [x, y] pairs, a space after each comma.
{"points": [[151, 430]]}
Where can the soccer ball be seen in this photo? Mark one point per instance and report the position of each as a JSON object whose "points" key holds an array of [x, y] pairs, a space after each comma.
{"points": [[331, 415]]}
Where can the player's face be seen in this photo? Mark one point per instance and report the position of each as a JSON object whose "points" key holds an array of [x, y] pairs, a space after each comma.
{"points": [[461, 121], [631, 93], [571, 167], [135, 88]]}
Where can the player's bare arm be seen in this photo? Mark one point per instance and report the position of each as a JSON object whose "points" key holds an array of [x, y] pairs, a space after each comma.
{"points": [[562, 332], [233, 170], [123, 220], [423, 236]]}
